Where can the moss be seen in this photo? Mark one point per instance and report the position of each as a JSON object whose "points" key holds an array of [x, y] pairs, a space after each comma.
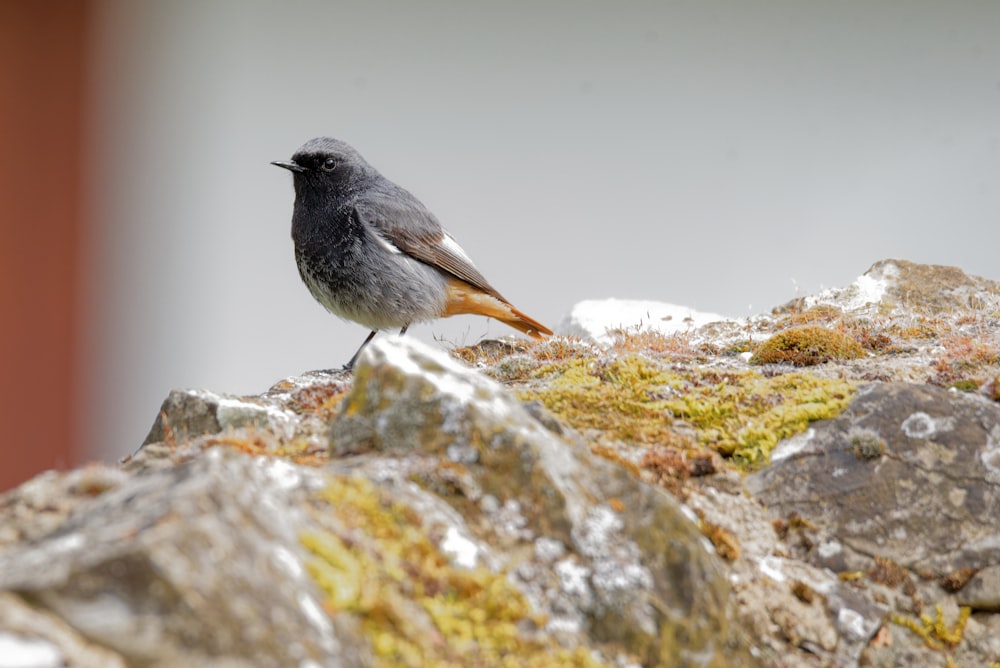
{"points": [[612, 397], [888, 572], [803, 592], [934, 630], [955, 580], [322, 399], [807, 345], [965, 362], [920, 328], [376, 562], [638, 339], [726, 544], [667, 467], [871, 336], [741, 415], [252, 442], [821, 313], [489, 351], [867, 445], [967, 385]]}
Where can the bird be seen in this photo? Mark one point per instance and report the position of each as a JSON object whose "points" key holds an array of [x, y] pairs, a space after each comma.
{"points": [[372, 253]]}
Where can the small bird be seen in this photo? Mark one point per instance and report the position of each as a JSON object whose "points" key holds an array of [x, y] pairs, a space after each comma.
{"points": [[371, 252]]}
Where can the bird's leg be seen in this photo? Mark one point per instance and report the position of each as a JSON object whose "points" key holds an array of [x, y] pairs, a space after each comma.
{"points": [[403, 331], [350, 365]]}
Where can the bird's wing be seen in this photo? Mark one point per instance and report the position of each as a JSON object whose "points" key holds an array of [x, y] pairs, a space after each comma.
{"points": [[400, 219]]}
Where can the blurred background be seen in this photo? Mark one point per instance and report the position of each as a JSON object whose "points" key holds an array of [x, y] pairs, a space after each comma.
{"points": [[726, 156]]}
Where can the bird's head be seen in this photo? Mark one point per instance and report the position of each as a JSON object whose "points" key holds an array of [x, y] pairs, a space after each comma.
{"points": [[327, 165]]}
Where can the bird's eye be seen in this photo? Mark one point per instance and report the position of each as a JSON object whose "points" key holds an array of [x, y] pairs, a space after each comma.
{"points": [[329, 164]]}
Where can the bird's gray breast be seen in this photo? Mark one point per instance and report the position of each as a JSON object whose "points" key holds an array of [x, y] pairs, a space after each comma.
{"points": [[361, 276]]}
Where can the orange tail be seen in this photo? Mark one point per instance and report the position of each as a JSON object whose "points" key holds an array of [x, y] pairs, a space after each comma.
{"points": [[523, 323], [464, 298]]}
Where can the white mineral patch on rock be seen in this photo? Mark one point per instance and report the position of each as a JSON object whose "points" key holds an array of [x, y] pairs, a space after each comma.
{"points": [[19, 652], [463, 551], [869, 288], [594, 319]]}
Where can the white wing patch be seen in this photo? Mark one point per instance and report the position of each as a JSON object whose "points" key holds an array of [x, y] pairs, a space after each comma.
{"points": [[385, 243], [451, 245]]}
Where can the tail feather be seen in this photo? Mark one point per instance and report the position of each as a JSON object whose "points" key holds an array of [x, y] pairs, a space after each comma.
{"points": [[523, 323], [465, 298]]}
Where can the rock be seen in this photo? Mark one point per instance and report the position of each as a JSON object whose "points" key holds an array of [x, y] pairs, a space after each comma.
{"points": [[293, 408], [420, 514], [599, 553], [33, 638], [195, 565], [784, 601], [42, 504], [900, 454], [596, 320], [982, 592], [189, 413], [910, 288]]}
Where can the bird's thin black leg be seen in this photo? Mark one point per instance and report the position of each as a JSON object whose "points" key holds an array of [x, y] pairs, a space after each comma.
{"points": [[403, 331], [350, 365]]}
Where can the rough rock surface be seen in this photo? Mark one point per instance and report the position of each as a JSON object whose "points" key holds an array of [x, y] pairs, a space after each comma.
{"points": [[601, 555], [636, 498], [198, 564], [871, 479]]}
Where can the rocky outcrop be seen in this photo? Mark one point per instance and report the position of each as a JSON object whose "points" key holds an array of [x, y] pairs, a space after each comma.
{"points": [[652, 495], [604, 557], [198, 564], [908, 472], [903, 487]]}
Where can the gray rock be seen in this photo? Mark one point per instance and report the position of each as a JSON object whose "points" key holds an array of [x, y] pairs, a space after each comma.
{"points": [[907, 472], [785, 602], [195, 565], [602, 554], [189, 413], [291, 409], [982, 592], [33, 638], [446, 520], [908, 288]]}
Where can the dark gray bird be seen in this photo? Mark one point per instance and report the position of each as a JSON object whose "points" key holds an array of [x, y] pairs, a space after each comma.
{"points": [[370, 252]]}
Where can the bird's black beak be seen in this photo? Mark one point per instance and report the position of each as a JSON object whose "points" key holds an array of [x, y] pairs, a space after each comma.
{"points": [[290, 165]]}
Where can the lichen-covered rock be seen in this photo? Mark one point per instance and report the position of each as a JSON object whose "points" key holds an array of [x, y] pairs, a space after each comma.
{"points": [[198, 565], [189, 413], [447, 523], [36, 638], [296, 407], [786, 603], [910, 288], [600, 554], [907, 472]]}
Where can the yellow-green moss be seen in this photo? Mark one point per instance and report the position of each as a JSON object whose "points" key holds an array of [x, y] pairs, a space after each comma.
{"points": [[934, 630], [415, 606], [741, 415], [807, 345]]}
